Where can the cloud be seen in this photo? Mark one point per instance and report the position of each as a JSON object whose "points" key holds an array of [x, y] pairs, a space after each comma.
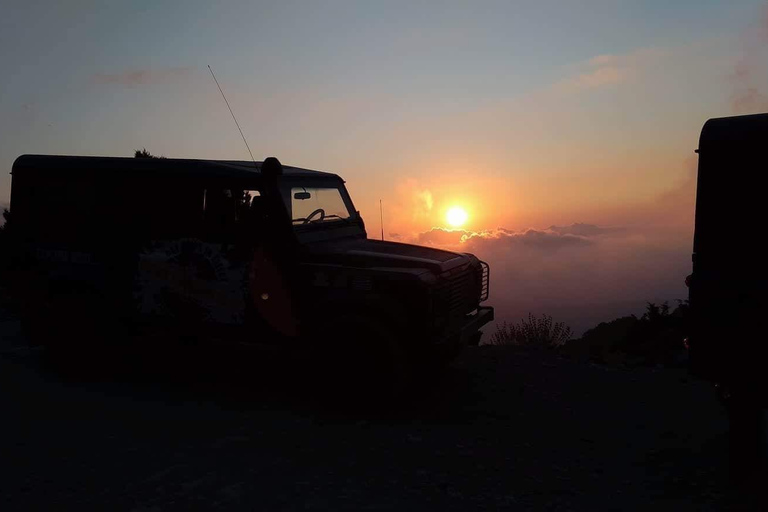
{"points": [[608, 69], [580, 229], [440, 236], [552, 238], [749, 73], [137, 77], [531, 238]]}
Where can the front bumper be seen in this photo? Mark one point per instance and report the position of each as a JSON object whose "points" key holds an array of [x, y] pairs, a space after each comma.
{"points": [[473, 323], [467, 332]]}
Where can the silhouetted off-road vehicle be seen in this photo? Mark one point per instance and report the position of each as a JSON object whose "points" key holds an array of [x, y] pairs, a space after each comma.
{"points": [[728, 289], [227, 251]]}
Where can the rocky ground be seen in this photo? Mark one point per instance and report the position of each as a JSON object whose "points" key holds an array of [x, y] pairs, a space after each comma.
{"points": [[501, 429]]}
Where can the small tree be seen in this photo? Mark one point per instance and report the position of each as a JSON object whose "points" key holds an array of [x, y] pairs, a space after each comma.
{"points": [[659, 333], [655, 313], [143, 153], [533, 332]]}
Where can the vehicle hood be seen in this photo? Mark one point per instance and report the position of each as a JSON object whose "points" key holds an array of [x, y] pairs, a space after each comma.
{"points": [[376, 253]]}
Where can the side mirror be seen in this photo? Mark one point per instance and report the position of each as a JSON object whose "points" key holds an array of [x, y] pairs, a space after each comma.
{"points": [[302, 195]]}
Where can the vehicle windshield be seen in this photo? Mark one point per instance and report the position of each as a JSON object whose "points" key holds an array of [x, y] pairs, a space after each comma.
{"points": [[317, 204]]}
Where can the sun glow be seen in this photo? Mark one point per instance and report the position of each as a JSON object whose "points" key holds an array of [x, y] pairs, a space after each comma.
{"points": [[456, 216]]}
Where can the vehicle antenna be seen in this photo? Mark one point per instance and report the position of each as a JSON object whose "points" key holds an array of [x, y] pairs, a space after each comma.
{"points": [[233, 114], [381, 214]]}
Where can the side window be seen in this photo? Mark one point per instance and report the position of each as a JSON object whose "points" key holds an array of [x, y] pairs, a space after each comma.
{"points": [[254, 212], [165, 210], [249, 205], [228, 213]]}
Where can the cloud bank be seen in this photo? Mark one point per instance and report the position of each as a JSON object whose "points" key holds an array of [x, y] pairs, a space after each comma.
{"points": [[580, 273]]}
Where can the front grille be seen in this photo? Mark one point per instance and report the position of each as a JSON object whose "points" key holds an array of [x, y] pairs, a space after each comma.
{"points": [[456, 294], [485, 281]]}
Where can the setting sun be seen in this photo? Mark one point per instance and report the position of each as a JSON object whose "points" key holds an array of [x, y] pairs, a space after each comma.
{"points": [[456, 216]]}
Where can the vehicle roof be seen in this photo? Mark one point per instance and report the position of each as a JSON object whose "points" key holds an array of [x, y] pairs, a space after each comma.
{"points": [[213, 168], [740, 131]]}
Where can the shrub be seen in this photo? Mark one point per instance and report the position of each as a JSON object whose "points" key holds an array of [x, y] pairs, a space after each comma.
{"points": [[532, 332], [605, 338], [659, 333], [654, 338]]}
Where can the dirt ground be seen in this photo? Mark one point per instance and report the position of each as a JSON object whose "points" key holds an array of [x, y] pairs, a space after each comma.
{"points": [[501, 429]]}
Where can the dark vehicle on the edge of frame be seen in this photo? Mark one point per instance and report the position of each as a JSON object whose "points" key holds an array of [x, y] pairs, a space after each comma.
{"points": [[230, 251], [728, 288]]}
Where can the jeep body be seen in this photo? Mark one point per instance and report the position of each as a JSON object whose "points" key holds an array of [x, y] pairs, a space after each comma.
{"points": [[231, 251], [728, 290]]}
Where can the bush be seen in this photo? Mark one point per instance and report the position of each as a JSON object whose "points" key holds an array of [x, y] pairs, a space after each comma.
{"points": [[658, 336], [654, 338], [532, 332], [606, 338]]}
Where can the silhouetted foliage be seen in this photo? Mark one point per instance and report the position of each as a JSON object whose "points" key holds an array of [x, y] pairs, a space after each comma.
{"points": [[606, 337], [532, 332], [654, 338], [658, 335], [143, 153]]}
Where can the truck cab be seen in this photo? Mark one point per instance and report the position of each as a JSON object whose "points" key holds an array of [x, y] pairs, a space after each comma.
{"points": [[232, 251]]}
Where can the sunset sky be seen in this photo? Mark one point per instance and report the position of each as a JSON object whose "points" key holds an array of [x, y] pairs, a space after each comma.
{"points": [[564, 130]]}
